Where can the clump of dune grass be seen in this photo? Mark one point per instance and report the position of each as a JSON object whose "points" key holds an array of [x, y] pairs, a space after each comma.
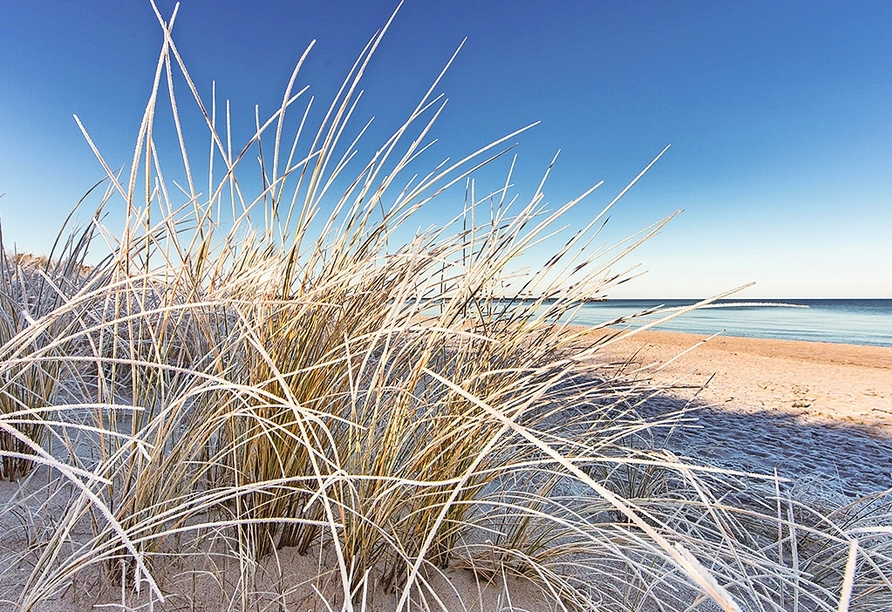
{"points": [[33, 291], [258, 382]]}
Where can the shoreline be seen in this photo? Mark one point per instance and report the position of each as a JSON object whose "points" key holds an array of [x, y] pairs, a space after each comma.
{"points": [[861, 321]]}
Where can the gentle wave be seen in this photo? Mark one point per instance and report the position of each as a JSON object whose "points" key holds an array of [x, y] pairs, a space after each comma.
{"points": [[744, 305]]}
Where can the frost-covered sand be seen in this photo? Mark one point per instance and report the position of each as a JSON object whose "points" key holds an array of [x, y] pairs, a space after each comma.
{"points": [[820, 413]]}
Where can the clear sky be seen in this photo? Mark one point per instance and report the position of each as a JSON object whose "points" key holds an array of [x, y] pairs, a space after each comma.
{"points": [[779, 114]]}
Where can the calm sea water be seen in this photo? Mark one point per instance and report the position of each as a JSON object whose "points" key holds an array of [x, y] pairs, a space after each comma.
{"points": [[866, 321]]}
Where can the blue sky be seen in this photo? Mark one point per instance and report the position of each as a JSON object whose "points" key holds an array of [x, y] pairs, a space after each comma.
{"points": [[779, 114]]}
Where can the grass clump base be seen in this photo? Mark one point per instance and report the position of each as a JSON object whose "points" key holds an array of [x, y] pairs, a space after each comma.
{"points": [[289, 401]]}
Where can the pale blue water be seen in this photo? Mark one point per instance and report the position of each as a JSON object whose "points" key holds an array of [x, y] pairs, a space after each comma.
{"points": [[865, 321]]}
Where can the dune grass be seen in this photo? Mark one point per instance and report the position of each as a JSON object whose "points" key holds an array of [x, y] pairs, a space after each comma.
{"points": [[252, 383]]}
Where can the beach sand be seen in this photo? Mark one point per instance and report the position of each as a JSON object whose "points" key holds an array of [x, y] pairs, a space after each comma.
{"points": [[818, 412]]}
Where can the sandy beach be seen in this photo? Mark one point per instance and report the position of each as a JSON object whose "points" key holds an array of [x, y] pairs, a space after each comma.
{"points": [[818, 412]]}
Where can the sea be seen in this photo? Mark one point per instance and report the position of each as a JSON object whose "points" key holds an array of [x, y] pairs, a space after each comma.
{"points": [[844, 321]]}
